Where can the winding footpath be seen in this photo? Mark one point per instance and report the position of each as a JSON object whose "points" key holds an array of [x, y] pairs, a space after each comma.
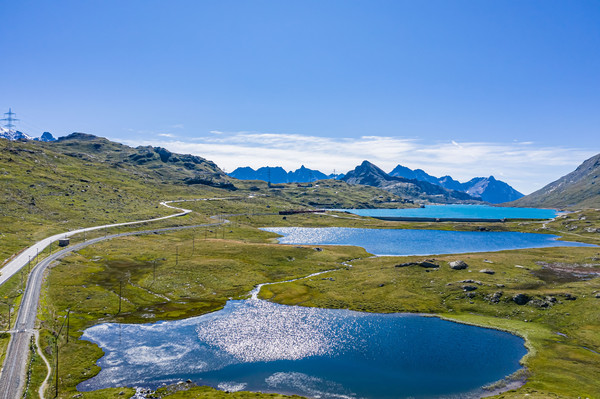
{"points": [[12, 375]]}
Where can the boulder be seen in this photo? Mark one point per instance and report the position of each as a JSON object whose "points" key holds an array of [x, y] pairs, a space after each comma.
{"points": [[487, 271], [421, 264], [468, 288], [521, 299], [458, 265], [569, 297]]}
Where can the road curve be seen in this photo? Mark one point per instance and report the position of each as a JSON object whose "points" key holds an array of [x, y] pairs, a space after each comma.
{"points": [[12, 267], [15, 363], [14, 369]]}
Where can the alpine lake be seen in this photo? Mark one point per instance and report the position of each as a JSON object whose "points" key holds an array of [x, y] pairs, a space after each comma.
{"points": [[258, 345]]}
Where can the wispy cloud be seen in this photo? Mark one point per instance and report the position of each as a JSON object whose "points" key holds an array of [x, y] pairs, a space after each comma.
{"points": [[165, 135], [524, 165]]}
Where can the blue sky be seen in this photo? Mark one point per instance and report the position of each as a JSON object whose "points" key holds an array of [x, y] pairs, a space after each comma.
{"points": [[467, 88]]}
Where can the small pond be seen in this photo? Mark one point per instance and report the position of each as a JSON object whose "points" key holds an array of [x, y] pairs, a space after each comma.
{"points": [[459, 212], [403, 242], [322, 353]]}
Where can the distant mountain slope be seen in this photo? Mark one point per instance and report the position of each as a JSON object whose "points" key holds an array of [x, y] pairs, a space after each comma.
{"points": [[278, 175], [491, 190], [578, 189], [369, 174], [487, 188]]}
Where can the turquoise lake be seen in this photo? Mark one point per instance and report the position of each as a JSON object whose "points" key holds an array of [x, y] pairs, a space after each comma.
{"points": [[321, 353], [459, 212], [403, 242]]}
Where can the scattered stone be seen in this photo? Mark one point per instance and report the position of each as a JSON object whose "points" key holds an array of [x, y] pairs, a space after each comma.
{"points": [[121, 393], [521, 267], [500, 285], [467, 288], [425, 264], [381, 285], [597, 295], [328, 278], [471, 282], [318, 249], [188, 381], [550, 299], [458, 265], [540, 303], [569, 297], [471, 295], [487, 271], [495, 297], [521, 299], [592, 230], [79, 395], [487, 261]]}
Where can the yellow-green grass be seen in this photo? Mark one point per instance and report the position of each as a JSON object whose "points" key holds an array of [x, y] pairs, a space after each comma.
{"points": [[230, 267]]}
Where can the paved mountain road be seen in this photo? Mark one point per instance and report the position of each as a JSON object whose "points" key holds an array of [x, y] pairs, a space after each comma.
{"points": [[12, 375]]}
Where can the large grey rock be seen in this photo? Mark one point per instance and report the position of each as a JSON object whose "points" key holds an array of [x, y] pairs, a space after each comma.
{"points": [[458, 265], [521, 299]]}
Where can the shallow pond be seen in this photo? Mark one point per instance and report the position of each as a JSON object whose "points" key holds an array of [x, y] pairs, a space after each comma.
{"points": [[261, 346], [403, 242], [459, 212]]}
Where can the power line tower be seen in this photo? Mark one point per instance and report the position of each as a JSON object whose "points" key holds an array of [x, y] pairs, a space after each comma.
{"points": [[9, 120]]}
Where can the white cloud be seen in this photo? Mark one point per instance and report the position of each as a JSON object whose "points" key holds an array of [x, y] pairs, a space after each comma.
{"points": [[523, 165], [165, 135]]}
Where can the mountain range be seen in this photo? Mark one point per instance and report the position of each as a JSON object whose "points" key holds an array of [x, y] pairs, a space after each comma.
{"points": [[487, 189], [17, 135], [279, 175], [417, 190]]}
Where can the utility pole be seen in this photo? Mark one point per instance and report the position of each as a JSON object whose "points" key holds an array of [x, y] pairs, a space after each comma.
{"points": [[68, 320], [56, 351], [120, 292], [8, 304]]}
